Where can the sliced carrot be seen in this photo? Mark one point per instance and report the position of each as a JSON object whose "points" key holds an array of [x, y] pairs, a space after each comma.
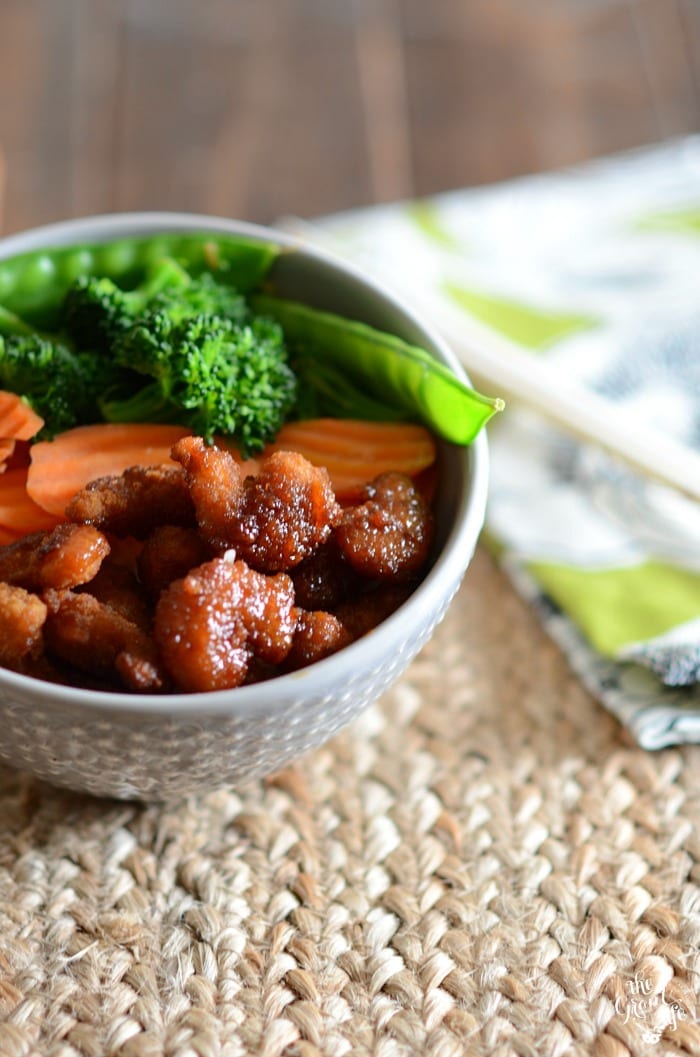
{"points": [[19, 514], [61, 467], [18, 421], [355, 451]]}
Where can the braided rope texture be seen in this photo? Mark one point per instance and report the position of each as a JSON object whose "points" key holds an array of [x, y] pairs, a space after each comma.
{"points": [[481, 864]]}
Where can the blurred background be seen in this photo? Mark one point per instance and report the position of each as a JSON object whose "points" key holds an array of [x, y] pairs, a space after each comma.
{"points": [[257, 109]]}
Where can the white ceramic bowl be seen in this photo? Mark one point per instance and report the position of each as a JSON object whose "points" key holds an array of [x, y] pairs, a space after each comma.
{"points": [[156, 747]]}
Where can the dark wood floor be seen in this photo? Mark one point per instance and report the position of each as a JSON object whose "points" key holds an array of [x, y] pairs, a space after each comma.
{"points": [[257, 108]]}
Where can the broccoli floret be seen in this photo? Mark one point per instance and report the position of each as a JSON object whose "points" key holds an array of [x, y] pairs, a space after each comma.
{"points": [[209, 373], [177, 348], [59, 383], [201, 296], [96, 311]]}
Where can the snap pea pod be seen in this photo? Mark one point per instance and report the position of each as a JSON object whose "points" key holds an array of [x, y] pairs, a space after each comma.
{"points": [[405, 374], [324, 390], [32, 285]]}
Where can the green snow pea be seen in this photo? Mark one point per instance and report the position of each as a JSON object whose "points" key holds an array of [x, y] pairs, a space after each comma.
{"points": [[406, 375], [32, 285], [325, 390]]}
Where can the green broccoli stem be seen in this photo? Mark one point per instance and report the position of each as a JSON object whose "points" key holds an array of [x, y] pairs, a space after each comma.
{"points": [[146, 404]]}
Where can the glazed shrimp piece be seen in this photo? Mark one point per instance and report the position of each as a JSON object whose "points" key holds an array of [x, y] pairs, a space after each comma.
{"points": [[389, 535], [134, 502], [273, 520], [325, 579], [67, 556], [215, 480], [168, 554], [211, 624], [284, 514], [364, 612], [318, 635], [118, 587], [95, 638], [22, 618]]}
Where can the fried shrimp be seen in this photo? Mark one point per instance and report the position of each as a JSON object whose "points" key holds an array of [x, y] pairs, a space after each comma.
{"points": [[212, 623], [364, 612], [317, 635], [134, 502], [283, 514], [389, 535], [67, 556], [274, 519], [22, 617], [168, 554], [325, 579], [215, 480], [117, 586], [202, 576], [95, 638]]}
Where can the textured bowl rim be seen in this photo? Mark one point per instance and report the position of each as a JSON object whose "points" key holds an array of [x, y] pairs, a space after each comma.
{"points": [[372, 649]]}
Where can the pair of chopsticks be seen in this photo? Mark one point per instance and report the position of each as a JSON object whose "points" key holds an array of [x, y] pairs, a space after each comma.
{"points": [[501, 367]]}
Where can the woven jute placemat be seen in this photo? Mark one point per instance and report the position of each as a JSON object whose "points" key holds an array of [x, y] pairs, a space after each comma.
{"points": [[481, 864]]}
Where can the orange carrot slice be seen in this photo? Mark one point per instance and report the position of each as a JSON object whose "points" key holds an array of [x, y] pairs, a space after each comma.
{"points": [[18, 421], [61, 467], [355, 451], [19, 514]]}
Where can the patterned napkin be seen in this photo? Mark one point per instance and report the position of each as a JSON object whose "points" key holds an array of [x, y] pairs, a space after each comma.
{"points": [[596, 272]]}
